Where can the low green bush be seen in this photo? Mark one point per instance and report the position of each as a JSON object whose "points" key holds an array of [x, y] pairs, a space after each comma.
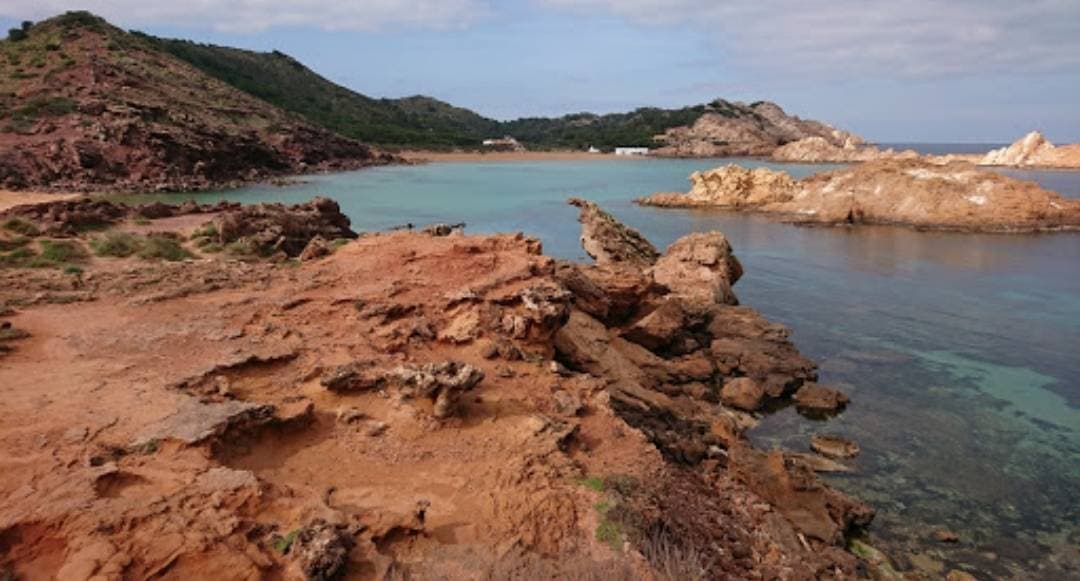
{"points": [[160, 247], [61, 251], [20, 226], [118, 244]]}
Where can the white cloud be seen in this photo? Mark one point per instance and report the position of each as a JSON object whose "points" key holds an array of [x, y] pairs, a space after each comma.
{"points": [[889, 38], [254, 15]]}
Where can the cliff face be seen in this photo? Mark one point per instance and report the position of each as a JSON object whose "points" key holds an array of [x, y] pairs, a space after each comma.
{"points": [[85, 106], [737, 129], [912, 192], [1034, 150]]}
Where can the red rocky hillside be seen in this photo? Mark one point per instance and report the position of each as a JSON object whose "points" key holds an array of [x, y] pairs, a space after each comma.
{"points": [[86, 106]]}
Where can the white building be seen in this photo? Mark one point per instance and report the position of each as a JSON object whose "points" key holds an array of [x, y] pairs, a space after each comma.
{"points": [[631, 151], [506, 143]]}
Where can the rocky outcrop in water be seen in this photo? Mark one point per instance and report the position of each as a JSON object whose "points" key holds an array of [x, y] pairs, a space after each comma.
{"points": [[737, 129], [685, 340], [1034, 150], [952, 196]]}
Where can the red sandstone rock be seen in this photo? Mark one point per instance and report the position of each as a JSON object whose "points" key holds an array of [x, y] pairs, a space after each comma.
{"points": [[742, 393]]}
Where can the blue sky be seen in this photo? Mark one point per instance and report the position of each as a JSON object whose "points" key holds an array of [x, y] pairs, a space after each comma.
{"points": [[926, 70]]}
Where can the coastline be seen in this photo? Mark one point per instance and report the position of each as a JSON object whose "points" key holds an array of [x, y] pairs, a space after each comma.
{"points": [[421, 156]]}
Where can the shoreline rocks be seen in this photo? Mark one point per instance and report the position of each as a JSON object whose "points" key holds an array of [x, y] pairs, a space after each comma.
{"points": [[1034, 150], [915, 193], [365, 387]]}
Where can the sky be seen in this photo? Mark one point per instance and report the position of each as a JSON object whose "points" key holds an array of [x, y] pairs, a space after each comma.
{"points": [[983, 71]]}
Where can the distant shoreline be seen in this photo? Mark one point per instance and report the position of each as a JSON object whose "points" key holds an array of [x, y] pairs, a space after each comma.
{"points": [[419, 156]]}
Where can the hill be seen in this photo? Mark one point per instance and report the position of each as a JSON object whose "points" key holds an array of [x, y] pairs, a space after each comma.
{"points": [[87, 106], [283, 81], [717, 128]]}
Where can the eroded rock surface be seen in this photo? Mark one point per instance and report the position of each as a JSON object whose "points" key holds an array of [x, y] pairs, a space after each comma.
{"points": [[610, 242], [917, 193], [408, 403], [269, 228]]}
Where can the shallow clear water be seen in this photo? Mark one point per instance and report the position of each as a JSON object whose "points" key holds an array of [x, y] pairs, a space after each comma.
{"points": [[961, 352]]}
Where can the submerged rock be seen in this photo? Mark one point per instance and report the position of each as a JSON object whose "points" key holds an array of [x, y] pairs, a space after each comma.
{"points": [[833, 446]]}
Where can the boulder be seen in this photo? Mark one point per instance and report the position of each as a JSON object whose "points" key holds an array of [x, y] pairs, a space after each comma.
{"points": [[742, 393], [820, 399], [443, 383], [660, 328], [610, 293], [316, 248], [270, 228], [700, 267]]}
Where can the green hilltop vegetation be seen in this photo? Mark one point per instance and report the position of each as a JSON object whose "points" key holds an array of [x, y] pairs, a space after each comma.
{"points": [[417, 121], [282, 81]]}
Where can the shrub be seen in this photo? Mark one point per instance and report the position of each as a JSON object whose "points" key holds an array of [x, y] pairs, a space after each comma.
{"points": [[18, 257], [161, 247], [16, 34], [13, 243], [20, 226], [119, 244], [57, 252], [594, 483], [610, 533], [208, 230]]}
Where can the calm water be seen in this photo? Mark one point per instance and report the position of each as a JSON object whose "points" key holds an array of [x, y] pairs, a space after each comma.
{"points": [[961, 352]]}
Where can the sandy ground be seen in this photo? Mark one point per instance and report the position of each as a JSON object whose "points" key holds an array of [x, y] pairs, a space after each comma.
{"points": [[505, 156], [9, 199]]}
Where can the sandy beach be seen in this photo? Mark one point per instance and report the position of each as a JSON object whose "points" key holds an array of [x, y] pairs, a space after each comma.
{"points": [[9, 199], [505, 156]]}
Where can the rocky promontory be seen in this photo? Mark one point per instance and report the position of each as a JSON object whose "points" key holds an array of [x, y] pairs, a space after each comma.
{"points": [[917, 193], [737, 129], [259, 391], [1034, 150]]}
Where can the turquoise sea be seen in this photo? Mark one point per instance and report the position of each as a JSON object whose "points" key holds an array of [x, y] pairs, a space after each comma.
{"points": [[961, 352]]}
